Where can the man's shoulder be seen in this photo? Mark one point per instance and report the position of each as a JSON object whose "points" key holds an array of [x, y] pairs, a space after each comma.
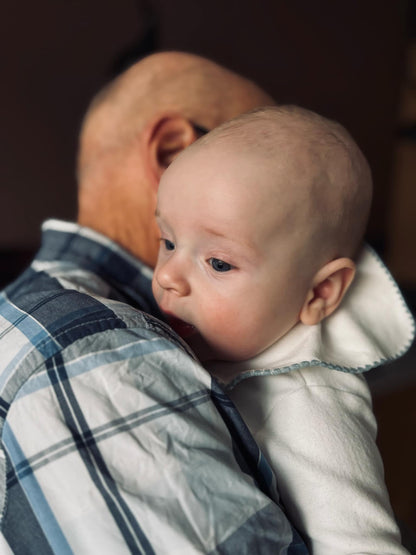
{"points": [[39, 310], [37, 297]]}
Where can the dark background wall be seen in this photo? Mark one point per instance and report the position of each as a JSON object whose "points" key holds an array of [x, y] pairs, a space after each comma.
{"points": [[346, 59]]}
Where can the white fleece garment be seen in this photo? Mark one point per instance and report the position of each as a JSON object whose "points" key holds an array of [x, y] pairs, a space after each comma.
{"points": [[309, 408]]}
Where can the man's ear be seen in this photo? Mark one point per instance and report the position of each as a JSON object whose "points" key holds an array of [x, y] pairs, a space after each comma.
{"points": [[328, 289], [170, 134]]}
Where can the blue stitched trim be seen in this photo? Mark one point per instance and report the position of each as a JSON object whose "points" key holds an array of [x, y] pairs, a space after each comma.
{"points": [[347, 369], [402, 301]]}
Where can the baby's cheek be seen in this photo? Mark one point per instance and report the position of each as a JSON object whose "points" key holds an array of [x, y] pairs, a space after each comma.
{"points": [[220, 323], [234, 337]]}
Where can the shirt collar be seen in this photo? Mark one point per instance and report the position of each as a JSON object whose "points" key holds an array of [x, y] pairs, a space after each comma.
{"points": [[71, 246]]}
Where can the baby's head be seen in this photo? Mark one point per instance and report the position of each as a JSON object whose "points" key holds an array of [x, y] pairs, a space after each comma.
{"points": [[260, 222]]}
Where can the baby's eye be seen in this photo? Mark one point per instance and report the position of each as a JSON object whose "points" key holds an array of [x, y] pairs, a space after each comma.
{"points": [[169, 246], [220, 265]]}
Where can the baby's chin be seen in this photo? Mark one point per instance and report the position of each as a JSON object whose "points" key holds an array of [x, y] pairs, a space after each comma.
{"points": [[202, 349], [206, 352]]}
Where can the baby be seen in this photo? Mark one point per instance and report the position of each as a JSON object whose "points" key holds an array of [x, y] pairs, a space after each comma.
{"points": [[261, 225]]}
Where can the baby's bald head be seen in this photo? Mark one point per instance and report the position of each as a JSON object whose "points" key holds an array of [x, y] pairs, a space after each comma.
{"points": [[260, 219], [321, 176]]}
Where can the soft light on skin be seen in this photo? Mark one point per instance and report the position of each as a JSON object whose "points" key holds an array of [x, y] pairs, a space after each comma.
{"points": [[260, 221], [216, 205]]}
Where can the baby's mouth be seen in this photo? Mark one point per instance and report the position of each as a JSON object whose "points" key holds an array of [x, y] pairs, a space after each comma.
{"points": [[182, 328]]}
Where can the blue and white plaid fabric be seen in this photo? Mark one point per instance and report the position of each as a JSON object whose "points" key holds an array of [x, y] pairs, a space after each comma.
{"points": [[114, 440]]}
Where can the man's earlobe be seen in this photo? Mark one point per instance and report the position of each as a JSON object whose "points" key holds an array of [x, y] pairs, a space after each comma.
{"points": [[328, 289], [170, 135]]}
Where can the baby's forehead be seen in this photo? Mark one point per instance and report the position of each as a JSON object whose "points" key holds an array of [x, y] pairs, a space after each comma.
{"points": [[284, 156], [295, 171]]}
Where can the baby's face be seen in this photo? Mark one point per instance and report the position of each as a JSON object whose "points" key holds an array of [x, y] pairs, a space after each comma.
{"points": [[229, 274]]}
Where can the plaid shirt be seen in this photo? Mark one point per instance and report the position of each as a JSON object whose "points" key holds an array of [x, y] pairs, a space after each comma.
{"points": [[114, 440]]}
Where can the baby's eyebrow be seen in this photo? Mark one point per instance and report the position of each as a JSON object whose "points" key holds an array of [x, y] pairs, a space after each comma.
{"points": [[216, 233], [230, 239]]}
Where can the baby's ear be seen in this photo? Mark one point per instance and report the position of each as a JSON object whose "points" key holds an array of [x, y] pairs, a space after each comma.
{"points": [[328, 289]]}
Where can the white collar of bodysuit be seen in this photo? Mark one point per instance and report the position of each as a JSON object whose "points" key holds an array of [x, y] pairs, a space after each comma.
{"points": [[372, 326]]}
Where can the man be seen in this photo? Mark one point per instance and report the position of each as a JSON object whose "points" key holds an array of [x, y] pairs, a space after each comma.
{"points": [[114, 440], [134, 129]]}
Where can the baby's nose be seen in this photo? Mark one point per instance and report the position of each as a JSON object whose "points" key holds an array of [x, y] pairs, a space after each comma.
{"points": [[171, 276]]}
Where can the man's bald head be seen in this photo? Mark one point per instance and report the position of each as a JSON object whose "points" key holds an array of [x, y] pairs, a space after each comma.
{"points": [[136, 126], [171, 82]]}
